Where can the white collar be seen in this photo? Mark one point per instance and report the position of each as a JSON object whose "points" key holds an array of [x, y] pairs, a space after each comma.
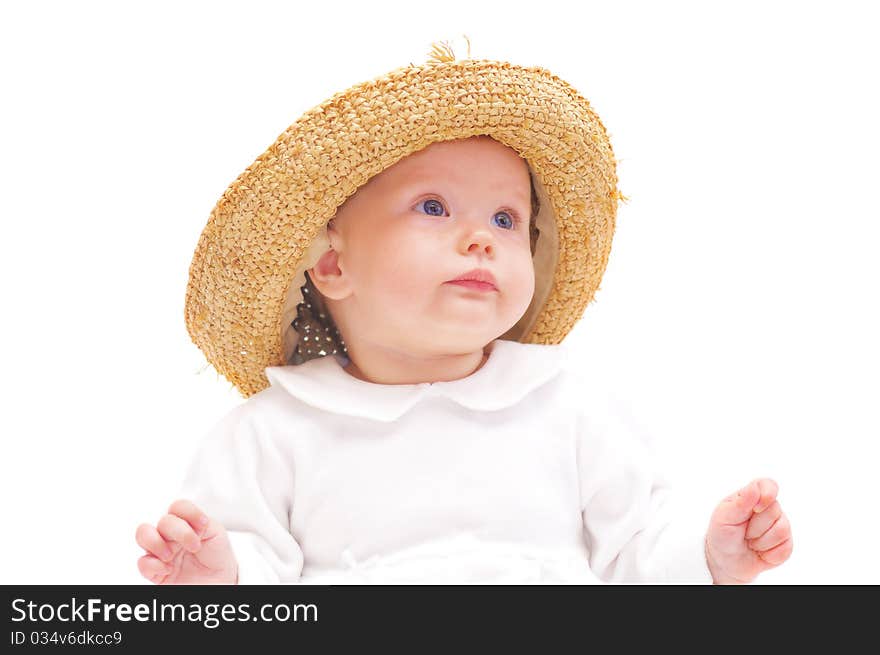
{"points": [[512, 370]]}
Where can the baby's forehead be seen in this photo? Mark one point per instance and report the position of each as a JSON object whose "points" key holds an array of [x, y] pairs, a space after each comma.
{"points": [[478, 163], [434, 163]]}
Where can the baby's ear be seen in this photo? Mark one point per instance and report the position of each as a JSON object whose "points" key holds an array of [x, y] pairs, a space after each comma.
{"points": [[328, 277]]}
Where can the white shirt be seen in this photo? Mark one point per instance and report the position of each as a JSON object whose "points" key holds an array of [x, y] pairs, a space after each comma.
{"points": [[517, 473]]}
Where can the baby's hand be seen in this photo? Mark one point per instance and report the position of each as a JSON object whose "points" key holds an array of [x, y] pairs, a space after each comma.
{"points": [[748, 533], [186, 547]]}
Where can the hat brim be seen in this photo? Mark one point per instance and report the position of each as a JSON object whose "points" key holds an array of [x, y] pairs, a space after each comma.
{"points": [[270, 224]]}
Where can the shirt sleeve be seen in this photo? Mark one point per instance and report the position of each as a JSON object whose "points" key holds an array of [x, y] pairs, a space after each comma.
{"points": [[632, 527], [238, 478]]}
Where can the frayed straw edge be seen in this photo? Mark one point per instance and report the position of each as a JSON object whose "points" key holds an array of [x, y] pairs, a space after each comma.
{"points": [[617, 194], [204, 367], [442, 51]]}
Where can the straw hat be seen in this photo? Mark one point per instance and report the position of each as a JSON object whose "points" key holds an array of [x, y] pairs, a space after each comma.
{"points": [[269, 226]]}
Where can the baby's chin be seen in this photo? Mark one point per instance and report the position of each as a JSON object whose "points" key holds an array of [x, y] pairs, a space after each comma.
{"points": [[452, 342], [441, 328]]}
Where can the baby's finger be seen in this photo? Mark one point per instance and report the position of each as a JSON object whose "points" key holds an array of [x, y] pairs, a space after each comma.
{"points": [[776, 556], [760, 523], [769, 490], [174, 528], [773, 537], [150, 540], [736, 509], [189, 512], [153, 569]]}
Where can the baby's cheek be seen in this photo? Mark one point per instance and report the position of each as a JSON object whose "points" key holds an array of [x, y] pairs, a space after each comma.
{"points": [[403, 288], [414, 271], [522, 283], [396, 288]]}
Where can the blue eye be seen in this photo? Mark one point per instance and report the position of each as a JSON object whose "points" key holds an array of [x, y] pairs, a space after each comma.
{"points": [[511, 220], [432, 207]]}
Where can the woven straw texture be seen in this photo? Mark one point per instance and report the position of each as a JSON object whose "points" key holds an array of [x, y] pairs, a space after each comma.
{"points": [[255, 243]]}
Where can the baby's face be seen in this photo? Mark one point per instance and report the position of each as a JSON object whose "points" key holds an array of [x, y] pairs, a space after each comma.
{"points": [[435, 215]]}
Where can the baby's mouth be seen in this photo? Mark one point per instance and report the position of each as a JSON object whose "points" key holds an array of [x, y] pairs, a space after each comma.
{"points": [[474, 284], [480, 279]]}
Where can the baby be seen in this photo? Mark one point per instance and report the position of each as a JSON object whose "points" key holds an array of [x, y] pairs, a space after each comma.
{"points": [[417, 442]]}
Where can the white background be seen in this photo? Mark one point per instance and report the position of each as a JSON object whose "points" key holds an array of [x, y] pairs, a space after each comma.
{"points": [[737, 321]]}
